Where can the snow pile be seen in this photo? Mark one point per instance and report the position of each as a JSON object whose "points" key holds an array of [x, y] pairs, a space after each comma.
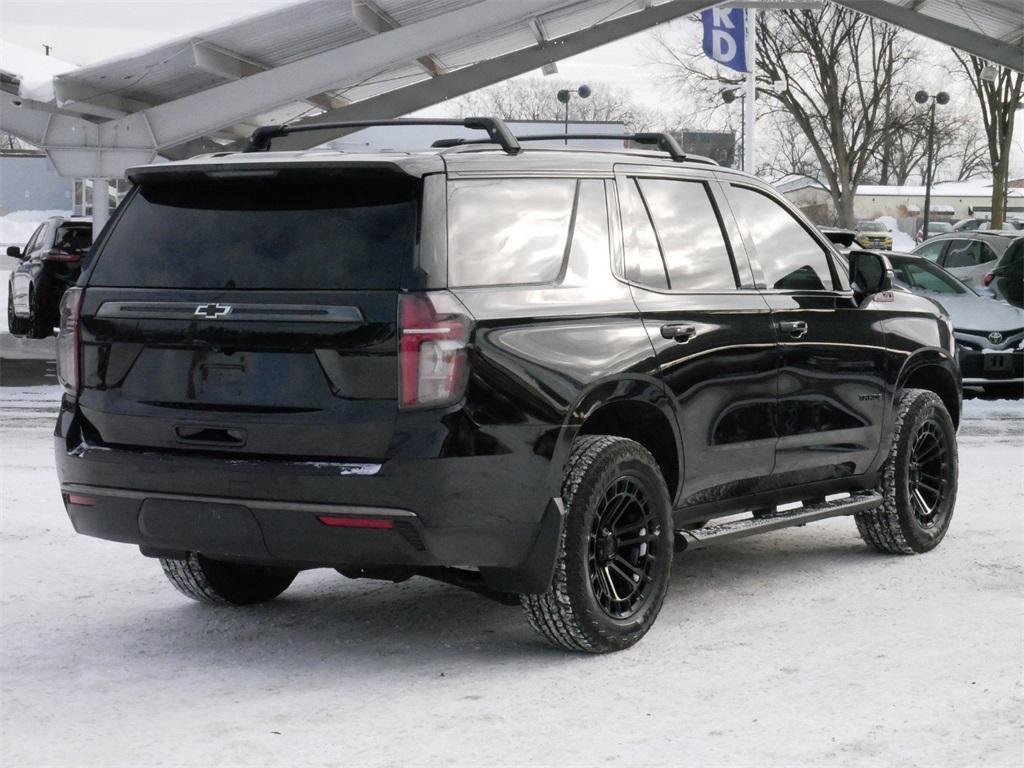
{"points": [[901, 241], [17, 227]]}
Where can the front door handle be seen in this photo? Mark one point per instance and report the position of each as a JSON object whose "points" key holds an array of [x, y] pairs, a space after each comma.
{"points": [[680, 333], [795, 328]]}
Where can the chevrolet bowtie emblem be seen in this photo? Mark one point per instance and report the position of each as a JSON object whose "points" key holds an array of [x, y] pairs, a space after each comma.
{"points": [[212, 311]]}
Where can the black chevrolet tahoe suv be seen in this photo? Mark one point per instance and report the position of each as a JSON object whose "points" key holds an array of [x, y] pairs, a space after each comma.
{"points": [[537, 372]]}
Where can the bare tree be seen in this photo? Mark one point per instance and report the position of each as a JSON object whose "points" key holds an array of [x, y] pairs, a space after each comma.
{"points": [[535, 99], [999, 97], [837, 66], [959, 152]]}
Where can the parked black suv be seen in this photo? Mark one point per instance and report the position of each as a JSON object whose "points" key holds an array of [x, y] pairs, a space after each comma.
{"points": [[536, 373]]}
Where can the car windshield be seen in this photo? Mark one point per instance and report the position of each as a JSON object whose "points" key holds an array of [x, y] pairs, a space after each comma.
{"points": [[940, 226], [872, 226], [919, 275]]}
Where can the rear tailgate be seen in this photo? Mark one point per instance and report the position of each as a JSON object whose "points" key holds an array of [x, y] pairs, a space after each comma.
{"points": [[254, 316]]}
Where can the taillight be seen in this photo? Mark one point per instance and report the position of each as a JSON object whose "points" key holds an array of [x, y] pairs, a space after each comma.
{"points": [[61, 256], [433, 334], [988, 278], [67, 341]]}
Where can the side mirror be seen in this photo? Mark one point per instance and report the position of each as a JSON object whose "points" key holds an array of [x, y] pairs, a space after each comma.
{"points": [[870, 274], [14, 251]]}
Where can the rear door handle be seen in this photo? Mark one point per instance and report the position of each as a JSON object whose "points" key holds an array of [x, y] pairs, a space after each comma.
{"points": [[795, 328], [680, 333]]}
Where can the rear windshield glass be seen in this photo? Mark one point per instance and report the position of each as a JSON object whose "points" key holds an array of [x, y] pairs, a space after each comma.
{"points": [[73, 238], [298, 233]]}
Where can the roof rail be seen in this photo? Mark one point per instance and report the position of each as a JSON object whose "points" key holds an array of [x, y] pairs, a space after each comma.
{"points": [[664, 141], [497, 131]]}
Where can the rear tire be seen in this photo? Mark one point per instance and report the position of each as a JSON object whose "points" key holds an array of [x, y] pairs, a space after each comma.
{"points": [[221, 583], [919, 479], [615, 557], [38, 325]]}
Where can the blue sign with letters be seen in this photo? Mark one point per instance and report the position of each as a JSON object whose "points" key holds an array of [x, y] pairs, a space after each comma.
{"points": [[724, 37]]}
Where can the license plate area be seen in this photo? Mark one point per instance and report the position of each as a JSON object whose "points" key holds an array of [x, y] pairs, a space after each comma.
{"points": [[998, 363]]}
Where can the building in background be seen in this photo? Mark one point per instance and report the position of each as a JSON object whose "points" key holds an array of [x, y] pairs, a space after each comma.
{"points": [[29, 182], [950, 201]]}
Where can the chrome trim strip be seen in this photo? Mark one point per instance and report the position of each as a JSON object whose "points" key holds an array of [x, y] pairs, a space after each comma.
{"points": [[186, 310]]}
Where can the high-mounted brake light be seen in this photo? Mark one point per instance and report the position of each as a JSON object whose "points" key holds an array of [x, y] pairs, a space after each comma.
{"points": [[68, 342], [433, 335]]}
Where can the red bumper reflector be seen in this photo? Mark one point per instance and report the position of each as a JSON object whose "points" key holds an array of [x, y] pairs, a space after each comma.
{"points": [[82, 501], [355, 522]]}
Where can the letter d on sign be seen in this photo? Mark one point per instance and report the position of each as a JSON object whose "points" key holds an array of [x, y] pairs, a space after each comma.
{"points": [[724, 37], [722, 46]]}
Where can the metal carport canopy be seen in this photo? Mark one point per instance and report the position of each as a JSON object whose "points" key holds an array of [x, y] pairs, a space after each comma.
{"points": [[990, 29], [358, 59], [351, 58]]}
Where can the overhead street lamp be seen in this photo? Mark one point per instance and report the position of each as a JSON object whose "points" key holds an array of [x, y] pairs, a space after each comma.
{"points": [[565, 95], [923, 97]]}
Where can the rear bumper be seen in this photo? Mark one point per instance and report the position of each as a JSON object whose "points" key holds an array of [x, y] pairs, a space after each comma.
{"points": [[495, 512]]}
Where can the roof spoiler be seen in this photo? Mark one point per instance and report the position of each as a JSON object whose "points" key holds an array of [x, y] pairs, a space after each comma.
{"points": [[663, 141], [497, 131]]}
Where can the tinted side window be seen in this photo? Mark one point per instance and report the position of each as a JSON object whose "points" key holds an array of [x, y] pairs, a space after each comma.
{"points": [[931, 251], [589, 254], [790, 257], [35, 241], [959, 254], [691, 237], [508, 231], [643, 259]]}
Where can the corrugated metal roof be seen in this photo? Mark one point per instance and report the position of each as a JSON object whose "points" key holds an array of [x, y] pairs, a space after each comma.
{"points": [[168, 71]]}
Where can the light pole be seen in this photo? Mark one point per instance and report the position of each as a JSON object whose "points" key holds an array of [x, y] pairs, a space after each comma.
{"points": [[729, 96], [923, 97], [564, 96]]}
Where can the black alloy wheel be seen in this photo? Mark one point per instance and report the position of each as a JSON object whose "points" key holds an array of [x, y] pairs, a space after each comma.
{"points": [[623, 548]]}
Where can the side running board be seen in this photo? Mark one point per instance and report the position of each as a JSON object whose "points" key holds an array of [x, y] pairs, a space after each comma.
{"points": [[774, 521]]}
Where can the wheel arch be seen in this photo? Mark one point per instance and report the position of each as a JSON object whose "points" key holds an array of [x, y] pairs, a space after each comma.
{"points": [[636, 408], [937, 373]]}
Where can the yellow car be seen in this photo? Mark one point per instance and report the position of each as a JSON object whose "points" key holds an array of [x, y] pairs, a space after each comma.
{"points": [[873, 234]]}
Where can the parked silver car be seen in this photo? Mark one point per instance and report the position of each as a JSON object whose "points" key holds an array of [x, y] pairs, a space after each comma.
{"points": [[989, 334], [969, 256]]}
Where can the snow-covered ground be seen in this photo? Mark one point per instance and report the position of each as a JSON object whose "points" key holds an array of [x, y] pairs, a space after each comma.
{"points": [[796, 648]]}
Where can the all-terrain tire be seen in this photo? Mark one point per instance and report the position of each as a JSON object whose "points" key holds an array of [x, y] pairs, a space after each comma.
{"points": [[16, 325], [570, 613], [899, 525], [221, 583]]}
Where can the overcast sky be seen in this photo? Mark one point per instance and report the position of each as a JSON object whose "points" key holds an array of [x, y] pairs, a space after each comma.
{"points": [[87, 31]]}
